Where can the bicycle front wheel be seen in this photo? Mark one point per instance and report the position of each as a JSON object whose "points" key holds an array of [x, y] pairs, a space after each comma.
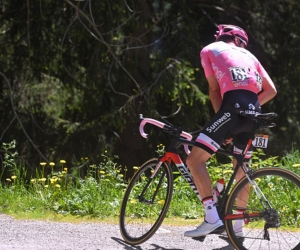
{"points": [[274, 225], [146, 202]]}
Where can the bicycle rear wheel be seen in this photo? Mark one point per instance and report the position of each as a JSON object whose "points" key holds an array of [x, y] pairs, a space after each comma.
{"points": [[275, 228], [146, 202]]}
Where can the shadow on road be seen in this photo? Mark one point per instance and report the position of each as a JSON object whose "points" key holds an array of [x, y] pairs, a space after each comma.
{"points": [[130, 247], [228, 247], [157, 247]]}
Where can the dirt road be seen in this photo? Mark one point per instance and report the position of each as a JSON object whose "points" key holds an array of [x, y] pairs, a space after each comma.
{"points": [[49, 235]]}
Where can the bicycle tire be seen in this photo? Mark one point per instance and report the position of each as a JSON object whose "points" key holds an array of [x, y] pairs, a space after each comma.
{"points": [[140, 217], [272, 182]]}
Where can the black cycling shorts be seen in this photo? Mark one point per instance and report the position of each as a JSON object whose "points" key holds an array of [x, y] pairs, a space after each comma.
{"points": [[228, 123]]}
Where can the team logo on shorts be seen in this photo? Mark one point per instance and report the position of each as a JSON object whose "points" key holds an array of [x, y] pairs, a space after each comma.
{"points": [[218, 123], [251, 106]]}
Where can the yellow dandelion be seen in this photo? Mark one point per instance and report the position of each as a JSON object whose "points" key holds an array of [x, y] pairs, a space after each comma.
{"points": [[228, 171], [51, 164], [283, 208], [101, 172], [46, 186], [7, 179], [161, 202], [57, 185], [296, 165], [42, 180], [133, 201], [120, 175], [66, 169], [63, 172], [258, 179], [135, 168], [43, 164], [33, 180], [13, 177], [62, 161], [105, 151], [52, 180]]}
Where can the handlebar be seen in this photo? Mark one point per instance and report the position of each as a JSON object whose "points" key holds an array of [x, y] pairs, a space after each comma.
{"points": [[144, 121]]}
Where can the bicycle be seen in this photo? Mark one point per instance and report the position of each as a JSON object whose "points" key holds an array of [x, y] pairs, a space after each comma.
{"points": [[149, 193]]}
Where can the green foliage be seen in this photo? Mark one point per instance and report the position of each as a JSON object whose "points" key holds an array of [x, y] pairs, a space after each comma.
{"points": [[79, 73], [13, 170], [100, 193], [9, 157], [291, 161]]}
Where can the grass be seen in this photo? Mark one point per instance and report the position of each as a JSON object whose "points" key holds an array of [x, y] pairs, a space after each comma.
{"points": [[64, 196]]}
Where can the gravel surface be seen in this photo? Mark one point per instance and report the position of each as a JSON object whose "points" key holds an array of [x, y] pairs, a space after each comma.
{"points": [[49, 235]]}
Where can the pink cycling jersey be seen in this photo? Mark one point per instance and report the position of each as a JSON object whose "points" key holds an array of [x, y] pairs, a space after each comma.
{"points": [[234, 67]]}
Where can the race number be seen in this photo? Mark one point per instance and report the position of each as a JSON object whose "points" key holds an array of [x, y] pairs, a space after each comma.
{"points": [[238, 74], [260, 141]]}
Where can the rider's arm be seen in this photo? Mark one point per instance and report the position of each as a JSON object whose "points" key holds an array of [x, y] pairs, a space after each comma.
{"points": [[214, 88], [214, 92], [268, 90]]}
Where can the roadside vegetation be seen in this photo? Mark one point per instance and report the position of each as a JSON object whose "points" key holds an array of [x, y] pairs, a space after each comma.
{"points": [[63, 194]]}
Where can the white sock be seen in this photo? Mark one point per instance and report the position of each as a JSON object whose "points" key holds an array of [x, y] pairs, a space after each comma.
{"points": [[238, 224], [211, 214]]}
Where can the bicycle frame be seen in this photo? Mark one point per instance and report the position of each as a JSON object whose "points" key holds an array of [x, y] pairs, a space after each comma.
{"points": [[174, 157], [249, 220], [183, 138]]}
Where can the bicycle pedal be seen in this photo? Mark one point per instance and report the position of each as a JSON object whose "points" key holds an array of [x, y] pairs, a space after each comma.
{"points": [[201, 238]]}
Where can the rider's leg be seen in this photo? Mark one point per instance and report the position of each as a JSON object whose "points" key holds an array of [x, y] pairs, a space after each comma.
{"points": [[196, 162], [242, 199], [243, 196]]}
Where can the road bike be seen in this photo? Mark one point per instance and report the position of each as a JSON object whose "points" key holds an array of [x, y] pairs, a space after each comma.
{"points": [[266, 222]]}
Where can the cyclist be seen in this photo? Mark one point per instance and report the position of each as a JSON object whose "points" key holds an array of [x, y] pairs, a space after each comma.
{"points": [[237, 82]]}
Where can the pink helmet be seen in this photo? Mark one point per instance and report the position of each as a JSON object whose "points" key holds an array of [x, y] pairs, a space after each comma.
{"points": [[232, 30]]}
